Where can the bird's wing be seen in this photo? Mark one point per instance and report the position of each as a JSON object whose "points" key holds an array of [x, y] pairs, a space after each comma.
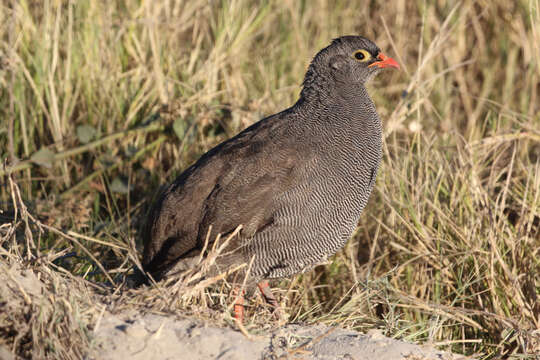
{"points": [[233, 184], [245, 195]]}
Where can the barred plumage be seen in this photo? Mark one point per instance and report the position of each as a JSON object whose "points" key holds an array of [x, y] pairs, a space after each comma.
{"points": [[297, 181]]}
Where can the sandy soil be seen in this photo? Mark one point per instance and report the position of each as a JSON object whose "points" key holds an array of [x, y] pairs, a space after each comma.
{"points": [[132, 335], [150, 336]]}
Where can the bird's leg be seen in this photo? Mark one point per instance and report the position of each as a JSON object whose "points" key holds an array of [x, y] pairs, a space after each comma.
{"points": [[269, 297], [238, 304]]}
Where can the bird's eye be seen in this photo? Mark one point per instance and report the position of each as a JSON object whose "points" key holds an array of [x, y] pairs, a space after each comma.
{"points": [[361, 55]]}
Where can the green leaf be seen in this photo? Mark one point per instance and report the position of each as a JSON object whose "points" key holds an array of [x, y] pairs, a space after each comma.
{"points": [[179, 127], [85, 133], [43, 157], [119, 185]]}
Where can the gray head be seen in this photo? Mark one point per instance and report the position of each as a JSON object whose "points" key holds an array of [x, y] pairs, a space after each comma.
{"points": [[348, 60]]}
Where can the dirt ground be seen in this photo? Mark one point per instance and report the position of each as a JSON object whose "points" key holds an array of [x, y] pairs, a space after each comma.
{"points": [[159, 337], [132, 335]]}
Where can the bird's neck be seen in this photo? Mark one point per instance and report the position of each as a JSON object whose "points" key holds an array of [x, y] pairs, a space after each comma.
{"points": [[320, 94], [322, 89], [338, 109]]}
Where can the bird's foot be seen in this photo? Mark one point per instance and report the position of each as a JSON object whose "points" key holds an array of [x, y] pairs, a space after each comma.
{"points": [[264, 287], [239, 305]]}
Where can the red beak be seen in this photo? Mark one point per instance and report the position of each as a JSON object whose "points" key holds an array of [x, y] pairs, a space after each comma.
{"points": [[385, 61]]}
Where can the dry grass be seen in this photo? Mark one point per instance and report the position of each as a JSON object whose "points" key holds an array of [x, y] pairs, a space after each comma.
{"points": [[125, 95]]}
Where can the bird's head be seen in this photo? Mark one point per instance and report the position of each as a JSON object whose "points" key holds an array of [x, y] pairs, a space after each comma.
{"points": [[351, 60]]}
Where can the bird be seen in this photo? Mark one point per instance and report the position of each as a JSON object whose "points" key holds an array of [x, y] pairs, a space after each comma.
{"points": [[296, 181]]}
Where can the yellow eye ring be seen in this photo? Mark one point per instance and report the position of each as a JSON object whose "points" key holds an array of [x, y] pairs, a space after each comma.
{"points": [[361, 55]]}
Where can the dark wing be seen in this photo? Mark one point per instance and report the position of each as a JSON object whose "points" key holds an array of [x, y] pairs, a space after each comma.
{"points": [[246, 194], [233, 184]]}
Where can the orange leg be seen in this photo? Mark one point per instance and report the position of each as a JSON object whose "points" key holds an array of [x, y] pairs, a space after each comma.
{"points": [[239, 305], [269, 297]]}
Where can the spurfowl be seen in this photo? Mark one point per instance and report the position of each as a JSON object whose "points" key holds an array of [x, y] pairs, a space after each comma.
{"points": [[296, 181]]}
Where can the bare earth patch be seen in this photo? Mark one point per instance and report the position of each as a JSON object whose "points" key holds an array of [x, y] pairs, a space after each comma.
{"points": [[30, 293], [137, 336]]}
